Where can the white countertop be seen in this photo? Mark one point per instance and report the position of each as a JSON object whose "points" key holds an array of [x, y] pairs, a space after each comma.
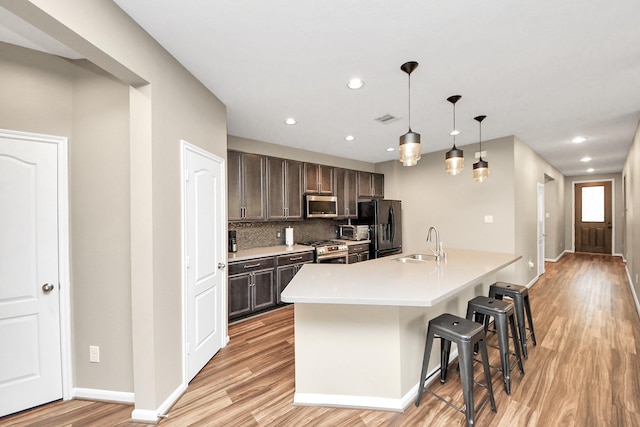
{"points": [[386, 281], [245, 254]]}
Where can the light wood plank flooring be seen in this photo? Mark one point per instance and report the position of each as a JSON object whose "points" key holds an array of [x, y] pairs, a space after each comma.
{"points": [[585, 370]]}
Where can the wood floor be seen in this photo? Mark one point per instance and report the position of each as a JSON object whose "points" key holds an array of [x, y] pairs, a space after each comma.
{"points": [[585, 370]]}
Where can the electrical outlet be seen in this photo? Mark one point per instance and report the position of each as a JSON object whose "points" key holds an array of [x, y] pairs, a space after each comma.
{"points": [[488, 219], [94, 354], [278, 234], [531, 265]]}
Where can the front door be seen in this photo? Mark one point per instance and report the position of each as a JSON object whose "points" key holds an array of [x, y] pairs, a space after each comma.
{"points": [[205, 256], [593, 217], [30, 347]]}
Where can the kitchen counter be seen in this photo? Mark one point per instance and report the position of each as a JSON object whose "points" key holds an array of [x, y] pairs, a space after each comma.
{"points": [[245, 254], [360, 329]]}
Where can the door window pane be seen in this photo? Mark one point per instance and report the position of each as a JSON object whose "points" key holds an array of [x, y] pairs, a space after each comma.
{"points": [[593, 204]]}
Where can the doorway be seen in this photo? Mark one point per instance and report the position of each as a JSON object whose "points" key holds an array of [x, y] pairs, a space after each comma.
{"points": [[204, 225], [34, 260], [593, 216]]}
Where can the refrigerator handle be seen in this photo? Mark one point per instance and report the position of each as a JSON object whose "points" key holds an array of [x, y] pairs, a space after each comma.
{"points": [[392, 224]]}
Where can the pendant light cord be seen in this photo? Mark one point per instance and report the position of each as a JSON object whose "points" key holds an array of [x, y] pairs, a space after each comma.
{"points": [[454, 125], [409, 102]]}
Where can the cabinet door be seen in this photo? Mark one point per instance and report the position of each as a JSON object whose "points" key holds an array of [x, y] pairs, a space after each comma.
{"points": [[293, 189], [339, 188], [239, 295], [377, 184], [363, 256], [253, 173], [263, 290], [285, 274], [364, 184], [234, 182], [326, 179], [311, 178], [276, 188], [351, 193]]}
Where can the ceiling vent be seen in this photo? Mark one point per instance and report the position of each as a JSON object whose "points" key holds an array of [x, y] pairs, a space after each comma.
{"points": [[386, 119]]}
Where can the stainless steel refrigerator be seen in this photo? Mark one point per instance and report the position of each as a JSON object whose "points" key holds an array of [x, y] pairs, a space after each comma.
{"points": [[384, 218]]}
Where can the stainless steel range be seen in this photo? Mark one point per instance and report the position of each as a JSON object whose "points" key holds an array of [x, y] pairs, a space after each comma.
{"points": [[329, 251]]}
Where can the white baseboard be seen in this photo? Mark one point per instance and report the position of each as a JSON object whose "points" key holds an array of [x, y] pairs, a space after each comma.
{"points": [[633, 290], [102, 395], [532, 282], [556, 259], [152, 415]]}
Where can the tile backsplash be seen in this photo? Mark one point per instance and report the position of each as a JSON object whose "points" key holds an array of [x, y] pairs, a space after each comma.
{"points": [[260, 234]]}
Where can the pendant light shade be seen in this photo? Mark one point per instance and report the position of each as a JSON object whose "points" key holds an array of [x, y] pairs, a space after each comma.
{"points": [[410, 141], [481, 167], [454, 159]]}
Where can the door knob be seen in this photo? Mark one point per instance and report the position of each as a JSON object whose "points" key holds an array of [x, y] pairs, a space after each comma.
{"points": [[221, 265], [47, 287]]}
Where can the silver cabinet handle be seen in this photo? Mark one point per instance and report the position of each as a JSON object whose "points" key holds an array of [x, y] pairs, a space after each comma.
{"points": [[47, 287], [221, 265], [295, 258], [251, 266]]}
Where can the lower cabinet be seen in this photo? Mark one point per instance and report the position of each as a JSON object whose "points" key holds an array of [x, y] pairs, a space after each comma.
{"points": [[255, 285], [251, 287], [358, 253]]}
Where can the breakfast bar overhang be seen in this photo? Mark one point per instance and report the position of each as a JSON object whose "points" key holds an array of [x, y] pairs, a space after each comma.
{"points": [[360, 328]]}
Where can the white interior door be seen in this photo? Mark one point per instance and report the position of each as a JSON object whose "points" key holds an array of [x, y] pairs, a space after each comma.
{"points": [[30, 349], [541, 231], [205, 252]]}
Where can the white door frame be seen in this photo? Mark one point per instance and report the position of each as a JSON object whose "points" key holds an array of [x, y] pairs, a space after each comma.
{"points": [[613, 211], [184, 147], [63, 248], [540, 230]]}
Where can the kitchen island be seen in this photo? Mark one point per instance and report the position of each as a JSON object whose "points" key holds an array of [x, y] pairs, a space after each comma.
{"points": [[360, 328]]}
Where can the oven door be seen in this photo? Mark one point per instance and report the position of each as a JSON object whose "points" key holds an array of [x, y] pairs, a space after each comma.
{"points": [[335, 258]]}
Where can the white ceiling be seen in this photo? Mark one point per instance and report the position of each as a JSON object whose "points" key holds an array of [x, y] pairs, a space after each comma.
{"points": [[544, 71]]}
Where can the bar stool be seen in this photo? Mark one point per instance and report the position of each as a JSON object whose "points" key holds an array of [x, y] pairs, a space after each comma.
{"points": [[465, 334], [480, 309], [520, 296]]}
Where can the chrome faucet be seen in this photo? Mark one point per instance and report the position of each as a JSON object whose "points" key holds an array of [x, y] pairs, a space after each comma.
{"points": [[437, 253]]}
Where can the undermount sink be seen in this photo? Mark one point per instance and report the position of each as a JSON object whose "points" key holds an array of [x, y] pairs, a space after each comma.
{"points": [[416, 258]]}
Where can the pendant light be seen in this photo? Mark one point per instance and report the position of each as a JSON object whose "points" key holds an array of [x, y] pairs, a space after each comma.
{"points": [[454, 160], [480, 168], [410, 141]]}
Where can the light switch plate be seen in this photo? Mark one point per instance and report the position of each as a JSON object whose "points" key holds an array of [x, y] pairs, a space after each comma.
{"points": [[94, 354], [488, 218]]}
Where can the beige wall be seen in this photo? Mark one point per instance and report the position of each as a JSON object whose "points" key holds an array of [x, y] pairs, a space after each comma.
{"points": [[267, 149], [631, 179], [617, 200], [164, 105]]}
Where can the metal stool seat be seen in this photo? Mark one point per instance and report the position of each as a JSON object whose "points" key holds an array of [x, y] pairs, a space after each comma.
{"points": [[465, 334], [520, 296], [480, 309]]}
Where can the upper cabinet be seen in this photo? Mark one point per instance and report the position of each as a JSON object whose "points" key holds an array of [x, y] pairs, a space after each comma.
{"points": [[318, 179], [246, 183], [284, 189], [346, 189], [370, 185]]}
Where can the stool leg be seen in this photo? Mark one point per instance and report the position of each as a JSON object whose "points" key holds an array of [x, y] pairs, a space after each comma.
{"points": [[503, 346], [425, 365], [445, 350], [527, 307], [516, 345], [521, 325], [487, 373], [465, 358]]}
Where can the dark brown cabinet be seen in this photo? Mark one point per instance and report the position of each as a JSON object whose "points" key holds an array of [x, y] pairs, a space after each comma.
{"points": [[318, 179], [246, 173], [250, 287], [346, 189], [284, 189], [358, 253], [288, 267], [370, 184]]}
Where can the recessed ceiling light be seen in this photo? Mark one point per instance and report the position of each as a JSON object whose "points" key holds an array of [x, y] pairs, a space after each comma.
{"points": [[590, 170], [349, 138], [585, 159], [355, 84], [578, 139], [390, 149], [454, 132], [290, 121]]}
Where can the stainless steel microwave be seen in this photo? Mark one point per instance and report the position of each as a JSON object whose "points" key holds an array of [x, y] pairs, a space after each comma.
{"points": [[321, 206]]}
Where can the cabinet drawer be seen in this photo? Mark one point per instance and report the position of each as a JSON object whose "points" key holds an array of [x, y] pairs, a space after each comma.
{"points": [[362, 247], [297, 258], [250, 265]]}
